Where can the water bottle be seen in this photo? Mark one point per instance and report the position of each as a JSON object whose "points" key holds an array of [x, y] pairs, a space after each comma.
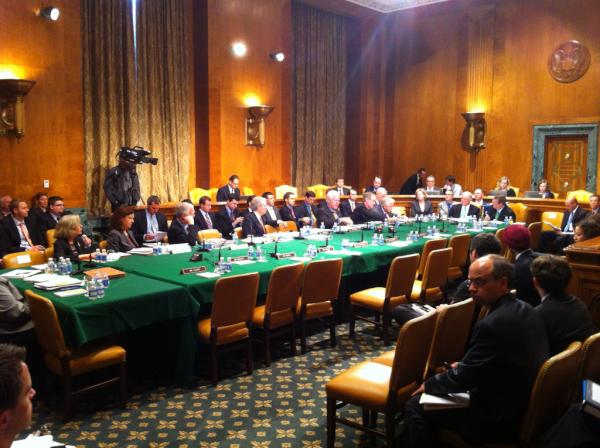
{"points": [[62, 267], [345, 243], [104, 255], [374, 240], [90, 286], [98, 286], [258, 252], [322, 226], [68, 266], [105, 280], [51, 266], [381, 240], [234, 238]]}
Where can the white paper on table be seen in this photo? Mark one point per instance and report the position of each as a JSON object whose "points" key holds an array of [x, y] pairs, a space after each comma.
{"points": [[400, 243], [238, 246], [301, 259], [41, 278], [116, 255], [71, 292], [242, 262], [19, 273], [208, 274], [433, 237], [141, 251], [181, 248], [59, 282], [39, 267], [342, 252]]}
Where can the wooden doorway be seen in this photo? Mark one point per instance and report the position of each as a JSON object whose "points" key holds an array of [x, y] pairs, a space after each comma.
{"points": [[565, 162]]}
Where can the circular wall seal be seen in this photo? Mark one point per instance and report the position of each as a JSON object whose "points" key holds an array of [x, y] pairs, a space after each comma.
{"points": [[569, 61]]}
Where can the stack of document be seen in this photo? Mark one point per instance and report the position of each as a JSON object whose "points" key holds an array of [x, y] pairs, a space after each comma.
{"points": [[19, 273], [58, 282], [141, 251]]}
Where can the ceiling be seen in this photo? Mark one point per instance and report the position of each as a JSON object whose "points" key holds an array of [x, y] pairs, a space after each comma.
{"points": [[393, 5]]}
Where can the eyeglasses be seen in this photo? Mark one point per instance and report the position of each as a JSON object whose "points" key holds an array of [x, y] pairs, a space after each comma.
{"points": [[480, 282]]}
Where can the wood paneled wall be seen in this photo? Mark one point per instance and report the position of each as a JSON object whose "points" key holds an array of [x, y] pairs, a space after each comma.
{"points": [[415, 83], [50, 54]]}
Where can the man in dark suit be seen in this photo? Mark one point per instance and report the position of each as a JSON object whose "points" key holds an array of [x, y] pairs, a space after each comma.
{"points": [[183, 229], [288, 210], [149, 221], [566, 318], [500, 211], [307, 212], [20, 233], [47, 221], [376, 184], [501, 362], [430, 187], [594, 205], [554, 241], [465, 208], [228, 218], [205, 219], [518, 239], [415, 181], [272, 216], [340, 187], [254, 222], [366, 211], [232, 188], [330, 214], [347, 207]]}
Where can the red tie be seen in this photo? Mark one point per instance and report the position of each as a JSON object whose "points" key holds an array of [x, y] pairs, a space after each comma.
{"points": [[25, 233]]}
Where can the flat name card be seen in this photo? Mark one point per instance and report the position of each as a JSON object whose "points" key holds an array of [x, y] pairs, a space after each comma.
{"points": [[359, 244], [194, 270], [325, 249], [283, 255], [240, 258]]}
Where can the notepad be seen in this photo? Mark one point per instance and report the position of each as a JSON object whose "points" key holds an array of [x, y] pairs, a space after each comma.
{"points": [[71, 292], [449, 401], [19, 273], [208, 274]]}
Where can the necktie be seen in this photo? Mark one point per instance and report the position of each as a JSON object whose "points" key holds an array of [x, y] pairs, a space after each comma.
{"points": [[341, 190], [497, 215], [352, 205], [208, 221], [25, 233], [292, 211], [569, 226], [463, 212], [230, 214]]}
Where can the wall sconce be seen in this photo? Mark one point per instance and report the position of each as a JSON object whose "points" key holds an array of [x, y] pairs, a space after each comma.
{"points": [[473, 136], [12, 106], [255, 125], [50, 13], [277, 57]]}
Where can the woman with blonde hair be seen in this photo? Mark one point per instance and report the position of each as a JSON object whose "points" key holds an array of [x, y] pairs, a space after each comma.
{"points": [[503, 188], [421, 205], [70, 242]]}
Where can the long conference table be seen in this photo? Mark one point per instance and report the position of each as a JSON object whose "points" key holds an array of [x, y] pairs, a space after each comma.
{"points": [[154, 290]]}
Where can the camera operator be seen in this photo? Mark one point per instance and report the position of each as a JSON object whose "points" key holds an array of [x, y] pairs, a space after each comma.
{"points": [[122, 184]]}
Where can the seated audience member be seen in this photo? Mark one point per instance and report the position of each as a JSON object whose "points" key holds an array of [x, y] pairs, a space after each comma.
{"points": [[340, 187], [247, 211], [366, 211], [587, 229], [518, 239], [20, 233], [380, 195], [205, 219], [465, 208], [121, 238], [254, 221], [452, 185], [330, 214], [501, 362], [288, 210], [347, 207], [47, 221], [376, 184], [544, 189], [232, 188], [183, 229], [499, 211], [478, 198], [228, 218], [149, 221], [70, 241], [272, 216], [445, 206], [414, 182], [17, 393], [5, 205], [594, 204], [307, 212], [503, 188], [566, 318], [16, 326], [430, 187], [481, 244], [40, 206], [421, 205], [388, 208], [554, 241]]}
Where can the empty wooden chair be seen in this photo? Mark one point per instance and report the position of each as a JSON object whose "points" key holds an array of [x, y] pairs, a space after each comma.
{"points": [[319, 290], [229, 323], [520, 210], [535, 229], [553, 218], [247, 191], [460, 254], [23, 259], [431, 287], [429, 246], [208, 234], [382, 301], [279, 311], [196, 193], [318, 189], [67, 362], [580, 195], [379, 388]]}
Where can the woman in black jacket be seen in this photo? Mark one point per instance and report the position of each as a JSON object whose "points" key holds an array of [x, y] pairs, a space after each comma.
{"points": [[70, 242]]}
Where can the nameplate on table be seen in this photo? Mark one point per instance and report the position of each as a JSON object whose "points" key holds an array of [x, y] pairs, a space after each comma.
{"points": [[239, 258], [194, 270], [282, 255], [359, 244], [325, 249], [391, 239]]}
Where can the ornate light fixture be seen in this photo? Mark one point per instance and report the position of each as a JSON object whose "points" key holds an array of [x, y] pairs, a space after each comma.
{"points": [[255, 124], [12, 106], [473, 136]]}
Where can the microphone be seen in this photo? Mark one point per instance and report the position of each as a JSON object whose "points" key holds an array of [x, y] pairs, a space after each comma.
{"points": [[274, 253]]}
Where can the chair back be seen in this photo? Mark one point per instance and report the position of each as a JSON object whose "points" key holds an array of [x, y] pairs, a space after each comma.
{"points": [[429, 246], [516, 190], [238, 232], [291, 226], [234, 299], [213, 194], [535, 230], [451, 334], [412, 349], [284, 288], [322, 280], [46, 325], [103, 244], [280, 190], [436, 269], [503, 247], [49, 253], [50, 237], [551, 392], [247, 191], [590, 364], [318, 189], [580, 195], [23, 259], [520, 210], [460, 249], [196, 193], [271, 229], [401, 276], [208, 234], [553, 218]]}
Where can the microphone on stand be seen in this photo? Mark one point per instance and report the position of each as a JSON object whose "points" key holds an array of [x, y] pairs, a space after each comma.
{"points": [[274, 253]]}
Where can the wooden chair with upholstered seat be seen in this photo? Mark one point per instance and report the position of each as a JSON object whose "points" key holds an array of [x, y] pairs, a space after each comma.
{"points": [[549, 398], [430, 245], [196, 193], [553, 218], [231, 316], [535, 230], [504, 250], [247, 191], [271, 229], [400, 279], [208, 234], [50, 237], [238, 232], [49, 253], [432, 286], [580, 195], [291, 226], [460, 254], [319, 290], [102, 245], [318, 189], [279, 311], [67, 362], [379, 388], [23, 259], [520, 210], [590, 364]]}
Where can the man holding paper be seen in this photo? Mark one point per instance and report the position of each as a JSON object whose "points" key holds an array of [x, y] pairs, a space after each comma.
{"points": [[505, 352], [150, 223]]}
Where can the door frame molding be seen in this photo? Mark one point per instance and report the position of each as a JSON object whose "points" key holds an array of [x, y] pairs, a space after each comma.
{"points": [[540, 132]]}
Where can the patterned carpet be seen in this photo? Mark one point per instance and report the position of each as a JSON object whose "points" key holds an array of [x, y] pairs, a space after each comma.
{"points": [[280, 406]]}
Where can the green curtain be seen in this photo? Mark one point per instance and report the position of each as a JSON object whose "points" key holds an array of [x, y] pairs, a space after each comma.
{"points": [[319, 96]]}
